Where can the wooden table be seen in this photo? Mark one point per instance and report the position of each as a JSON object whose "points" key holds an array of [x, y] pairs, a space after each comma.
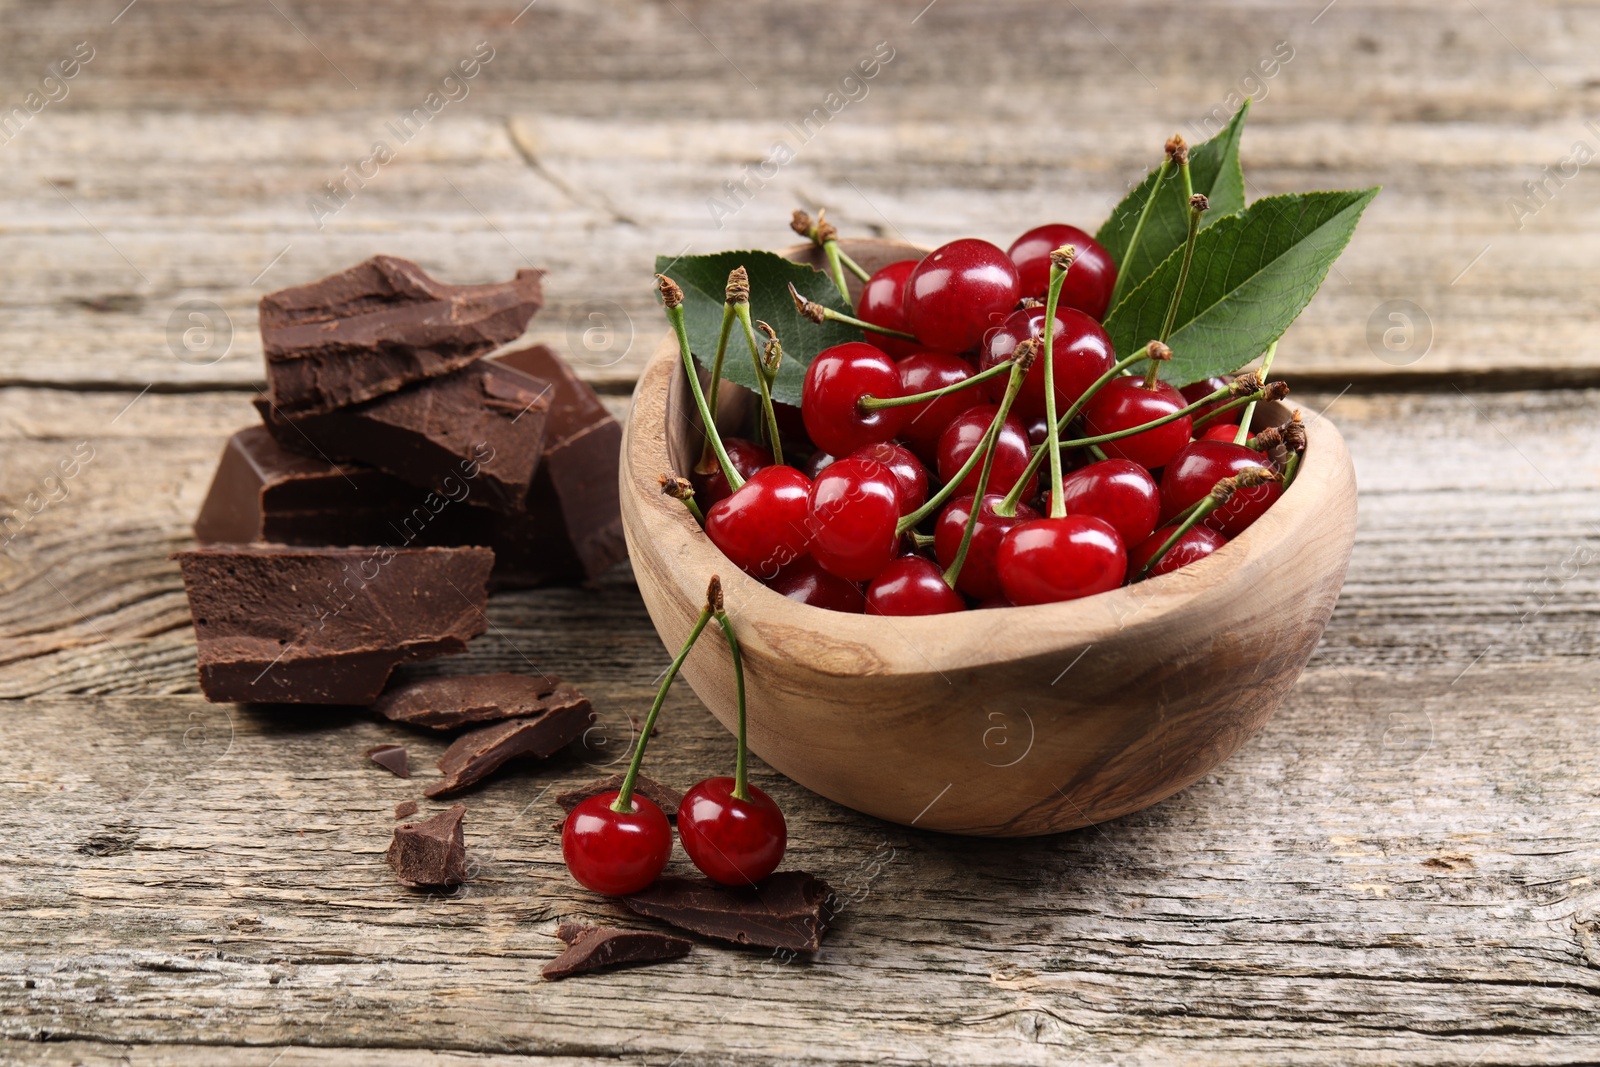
{"points": [[1399, 869]]}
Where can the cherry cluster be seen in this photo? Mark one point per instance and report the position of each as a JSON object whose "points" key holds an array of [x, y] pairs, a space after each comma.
{"points": [[963, 455]]}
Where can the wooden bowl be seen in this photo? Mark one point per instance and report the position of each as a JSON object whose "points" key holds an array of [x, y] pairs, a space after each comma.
{"points": [[1008, 722]]}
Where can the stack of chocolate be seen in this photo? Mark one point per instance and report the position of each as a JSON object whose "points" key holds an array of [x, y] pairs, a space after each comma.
{"points": [[397, 476]]}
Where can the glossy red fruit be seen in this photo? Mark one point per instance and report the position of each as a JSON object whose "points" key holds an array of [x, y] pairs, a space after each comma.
{"points": [[909, 473], [1124, 403], [816, 463], [912, 585], [1089, 282], [835, 383], [883, 303], [963, 436], [1198, 543], [978, 577], [613, 852], [1050, 560], [855, 504], [764, 526], [1118, 491], [1196, 391], [805, 581], [922, 372], [1079, 354], [957, 292], [747, 456], [1219, 431], [732, 841], [1197, 469]]}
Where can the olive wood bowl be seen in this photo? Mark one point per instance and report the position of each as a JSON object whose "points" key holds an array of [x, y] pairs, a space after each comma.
{"points": [[1006, 722]]}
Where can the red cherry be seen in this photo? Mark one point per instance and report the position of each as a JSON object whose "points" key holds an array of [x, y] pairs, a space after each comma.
{"points": [[963, 436], [883, 303], [804, 580], [957, 292], [613, 852], [855, 505], [912, 585], [1196, 470], [762, 528], [1118, 491], [816, 463], [1196, 391], [732, 841], [1048, 560], [747, 456], [1080, 353], [922, 372], [835, 382], [1124, 403], [1089, 282], [1219, 431], [1198, 543], [909, 473], [978, 577]]}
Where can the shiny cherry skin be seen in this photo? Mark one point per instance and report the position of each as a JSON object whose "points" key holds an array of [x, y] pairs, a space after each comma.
{"points": [[1050, 560], [805, 581], [835, 383], [978, 577], [816, 463], [1219, 431], [922, 372], [957, 292], [732, 841], [883, 303], [963, 436], [764, 526], [747, 456], [912, 585], [909, 473], [613, 852], [1080, 352], [1198, 468], [1117, 490], [1196, 391], [855, 504], [1123, 403], [1089, 282], [1198, 543]]}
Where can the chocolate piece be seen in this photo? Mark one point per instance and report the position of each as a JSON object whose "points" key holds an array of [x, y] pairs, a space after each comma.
{"points": [[430, 853], [278, 623], [788, 910], [665, 797], [591, 948], [474, 435], [391, 758], [467, 699], [405, 809], [476, 755], [381, 325], [574, 524]]}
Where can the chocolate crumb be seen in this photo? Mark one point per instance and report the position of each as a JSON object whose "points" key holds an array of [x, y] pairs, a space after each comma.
{"points": [[391, 758], [430, 853], [591, 948], [405, 809]]}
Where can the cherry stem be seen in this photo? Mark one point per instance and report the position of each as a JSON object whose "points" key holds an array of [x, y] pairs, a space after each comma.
{"points": [[1138, 229], [675, 316], [741, 771], [812, 311], [1291, 467], [1206, 506], [1250, 409], [831, 250], [706, 453], [1173, 416], [855, 268], [877, 403], [1197, 207], [1222, 409], [624, 801], [921, 540], [991, 438], [1098, 453], [767, 412], [1060, 263]]}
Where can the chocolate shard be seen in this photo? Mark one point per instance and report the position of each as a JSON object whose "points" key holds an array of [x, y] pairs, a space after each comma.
{"points": [[573, 524], [469, 699], [473, 436], [405, 809], [381, 325], [476, 755], [392, 758], [665, 797], [592, 948], [788, 910], [280, 623], [430, 853]]}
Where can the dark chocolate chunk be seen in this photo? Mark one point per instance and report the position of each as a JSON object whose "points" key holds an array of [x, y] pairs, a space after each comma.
{"points": [[391, 758], [665, 797], [381, 325], [405, 809], [474, 435], [278, 623], [476, 755], [591, 948], [468, 699], [788, 910], [430, 853]]}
